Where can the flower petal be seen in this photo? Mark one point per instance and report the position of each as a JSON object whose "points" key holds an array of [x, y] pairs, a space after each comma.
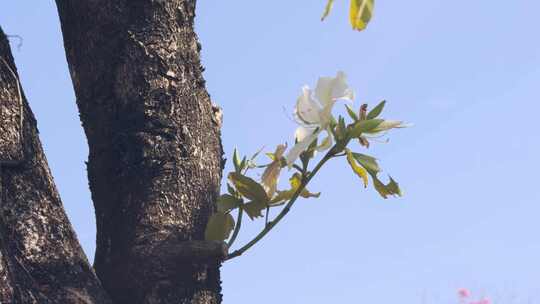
{"points": [[300, 147], [329, 89], [389, 124], [302, 132], [307, 109]]}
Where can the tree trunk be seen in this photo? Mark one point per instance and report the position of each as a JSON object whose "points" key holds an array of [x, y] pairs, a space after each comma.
{"points": [[155, 156], [40, 258], [154, 166]]}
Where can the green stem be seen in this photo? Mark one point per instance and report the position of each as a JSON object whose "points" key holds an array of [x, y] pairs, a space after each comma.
{"points": [[236, 228], [297, 168], [267, 214], [284, 211]]}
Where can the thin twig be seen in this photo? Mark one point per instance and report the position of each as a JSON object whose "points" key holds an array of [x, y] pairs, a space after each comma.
{"points": [[236, 228], [297, 167], [267, 212], [285, 210]]}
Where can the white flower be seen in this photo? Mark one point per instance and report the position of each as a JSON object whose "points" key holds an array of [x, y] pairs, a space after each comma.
{"points": [[314, 113]]}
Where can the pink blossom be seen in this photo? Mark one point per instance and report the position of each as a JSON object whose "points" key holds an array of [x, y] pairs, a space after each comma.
{"points": [[483, 301], [465, 293]]}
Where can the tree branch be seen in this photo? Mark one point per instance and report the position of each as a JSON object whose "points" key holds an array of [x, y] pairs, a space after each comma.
{"points": [[41, 260]]}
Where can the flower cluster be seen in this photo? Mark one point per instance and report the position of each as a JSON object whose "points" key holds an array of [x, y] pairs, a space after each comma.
{"points": [[318, 131], [465, 297], [313, 112]]}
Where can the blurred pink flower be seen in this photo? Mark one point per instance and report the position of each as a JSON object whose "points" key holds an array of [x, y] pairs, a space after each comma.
{"points": [[465, 293], [483, 301]]}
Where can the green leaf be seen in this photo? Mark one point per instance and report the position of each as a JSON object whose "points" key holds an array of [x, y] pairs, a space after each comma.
{"points": [[251, 161], [368, 162], [254, 156], [360, 13], [236, 161], [228, 202], [327, 9], [247, 187], [351, 113], [359, 170], [231, 190], [392, 188], [219, 227], [377, 110], [306, 194], [254, 209], [270, 155], [243, 163], [341, 129], [363, 126]]}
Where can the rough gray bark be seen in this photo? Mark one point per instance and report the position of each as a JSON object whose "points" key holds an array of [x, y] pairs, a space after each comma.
{"points": [[40, 258], [154, 166], [155, 156]]}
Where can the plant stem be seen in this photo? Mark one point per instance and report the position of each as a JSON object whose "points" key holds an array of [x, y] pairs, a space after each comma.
{"points": [[297, 168], [284, 211], [237, 227], [267, 213]]}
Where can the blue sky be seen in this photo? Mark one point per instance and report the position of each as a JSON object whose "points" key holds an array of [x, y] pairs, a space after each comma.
{"points": [[466, 73]]}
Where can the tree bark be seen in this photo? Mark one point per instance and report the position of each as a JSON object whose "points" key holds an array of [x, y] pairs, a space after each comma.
{"points": [[155, 156], [40, 258]]}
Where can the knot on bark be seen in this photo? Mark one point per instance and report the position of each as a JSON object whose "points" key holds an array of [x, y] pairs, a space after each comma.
{"points": [[217, 117], [176, 251], [181, 266]]}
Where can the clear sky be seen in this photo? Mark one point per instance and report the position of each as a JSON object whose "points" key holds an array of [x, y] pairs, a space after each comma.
{"points": [[467, 73]]}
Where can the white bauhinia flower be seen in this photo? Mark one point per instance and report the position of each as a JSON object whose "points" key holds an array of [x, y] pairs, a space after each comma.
{"points": [[313, 113]]}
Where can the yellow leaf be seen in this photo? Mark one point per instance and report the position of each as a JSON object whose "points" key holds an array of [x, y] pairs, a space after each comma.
{"points": [[327, 9], [360, 13], [296, 182], [359, 170]]}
